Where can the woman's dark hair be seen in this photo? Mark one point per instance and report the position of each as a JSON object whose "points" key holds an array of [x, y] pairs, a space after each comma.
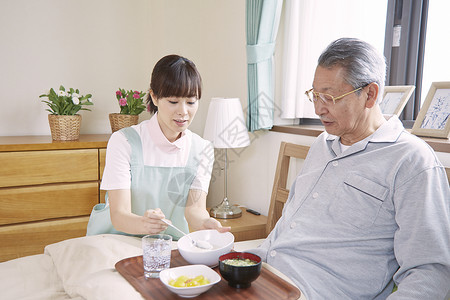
{"points": [[174, 76]]}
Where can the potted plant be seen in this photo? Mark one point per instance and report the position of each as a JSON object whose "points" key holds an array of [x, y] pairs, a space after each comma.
{"points": [[64, 120], [131, 104]]}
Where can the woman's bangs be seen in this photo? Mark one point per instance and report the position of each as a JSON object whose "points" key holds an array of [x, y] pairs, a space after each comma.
{"points": [[185, 86]]}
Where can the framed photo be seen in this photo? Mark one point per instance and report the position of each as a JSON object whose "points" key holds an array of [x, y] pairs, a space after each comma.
{"points": [[395, 99], [433, 119]]}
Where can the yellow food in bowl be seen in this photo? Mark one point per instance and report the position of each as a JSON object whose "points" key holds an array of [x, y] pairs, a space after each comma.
{"points": [[184, 281]]}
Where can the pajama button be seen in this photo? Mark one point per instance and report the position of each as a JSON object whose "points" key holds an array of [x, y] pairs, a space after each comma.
{"points": [[315, 195], [335, 163], [293, 225], [273, 253]]}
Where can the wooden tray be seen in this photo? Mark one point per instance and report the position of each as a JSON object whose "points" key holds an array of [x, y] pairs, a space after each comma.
{"points": [[266, 286]]}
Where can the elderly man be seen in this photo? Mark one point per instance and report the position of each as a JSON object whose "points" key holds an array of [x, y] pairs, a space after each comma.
{"points": [[370, 206]]}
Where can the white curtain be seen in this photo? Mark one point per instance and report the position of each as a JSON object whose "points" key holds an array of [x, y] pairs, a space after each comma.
{"points": [[297, 65], [310, 25]]}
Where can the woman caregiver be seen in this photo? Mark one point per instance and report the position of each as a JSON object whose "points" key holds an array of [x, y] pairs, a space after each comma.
{"points": [[159, 169]]}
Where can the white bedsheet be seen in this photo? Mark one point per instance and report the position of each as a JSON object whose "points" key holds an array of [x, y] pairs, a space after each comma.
{"points": [[81, 268]]}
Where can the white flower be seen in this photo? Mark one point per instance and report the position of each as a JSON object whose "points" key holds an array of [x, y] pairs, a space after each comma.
{"points": [[89, 100], [75, 95], [61, 93], [75, 100]]}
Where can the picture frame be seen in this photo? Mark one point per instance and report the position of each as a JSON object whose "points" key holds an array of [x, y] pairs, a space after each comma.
{"points": [[395, 99], [433, 119]]}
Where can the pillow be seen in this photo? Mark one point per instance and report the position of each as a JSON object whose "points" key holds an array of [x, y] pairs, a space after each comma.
{"points": [[86, 263]]}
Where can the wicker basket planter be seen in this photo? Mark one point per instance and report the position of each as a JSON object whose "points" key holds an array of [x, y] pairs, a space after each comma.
{"points": [[65, 128], [119, 121]]}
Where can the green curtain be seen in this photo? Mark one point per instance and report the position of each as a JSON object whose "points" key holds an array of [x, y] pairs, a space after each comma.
{"points": [[262, 20]]}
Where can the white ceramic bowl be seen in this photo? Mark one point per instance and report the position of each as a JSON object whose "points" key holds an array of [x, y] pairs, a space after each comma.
{"points": [[190, 271], [222, 243]]}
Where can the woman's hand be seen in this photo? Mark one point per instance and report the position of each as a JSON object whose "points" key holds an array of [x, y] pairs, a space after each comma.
{"points": [[124, 220], [196, 214], [212, 223], [152, 221]]}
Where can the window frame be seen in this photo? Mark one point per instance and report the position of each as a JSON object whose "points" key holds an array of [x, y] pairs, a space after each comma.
{"points": [[405, 62]]}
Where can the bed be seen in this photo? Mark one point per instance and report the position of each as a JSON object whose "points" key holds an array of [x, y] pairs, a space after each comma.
{"points": [[80, 268]]}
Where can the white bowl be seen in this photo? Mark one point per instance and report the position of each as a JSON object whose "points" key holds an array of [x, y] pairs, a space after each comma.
{"points": [[190, 271], [222, 243]]}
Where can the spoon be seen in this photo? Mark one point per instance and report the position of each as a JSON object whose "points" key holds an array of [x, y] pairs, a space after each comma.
{"points": [[198, 244]]}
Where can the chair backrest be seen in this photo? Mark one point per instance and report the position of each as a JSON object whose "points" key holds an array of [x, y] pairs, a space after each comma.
{"points": [[280, 192]]}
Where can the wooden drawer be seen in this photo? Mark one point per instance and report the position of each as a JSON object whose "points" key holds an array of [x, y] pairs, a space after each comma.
{"points": [[250, 234], [246, 227], [25, 204], [40, 167], [102, 158], [28, 239]]}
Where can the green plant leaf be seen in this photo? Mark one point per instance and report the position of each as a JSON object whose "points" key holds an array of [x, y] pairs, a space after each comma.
{"points": [[63, 105]]}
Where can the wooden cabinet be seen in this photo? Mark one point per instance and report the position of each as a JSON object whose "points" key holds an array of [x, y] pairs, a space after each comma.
{"points": [[47, 190]]}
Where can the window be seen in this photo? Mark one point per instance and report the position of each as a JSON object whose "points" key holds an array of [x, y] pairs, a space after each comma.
{"points": [[406, 23], [436, 64], [310, 25], [419, 56]]}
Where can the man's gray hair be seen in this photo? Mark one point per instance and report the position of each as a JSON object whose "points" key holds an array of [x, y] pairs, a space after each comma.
{"points": [[363, 64]]}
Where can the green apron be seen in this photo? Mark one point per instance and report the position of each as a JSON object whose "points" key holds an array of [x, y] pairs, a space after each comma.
{"points": [[152, 187]]}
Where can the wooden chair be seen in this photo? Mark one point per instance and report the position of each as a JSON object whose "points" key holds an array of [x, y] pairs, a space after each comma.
{"points": [[280, 192]]}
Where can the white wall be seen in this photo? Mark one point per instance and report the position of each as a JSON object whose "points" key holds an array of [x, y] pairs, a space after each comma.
{"points": [[212, 35], [95, 46], [101, 45]]}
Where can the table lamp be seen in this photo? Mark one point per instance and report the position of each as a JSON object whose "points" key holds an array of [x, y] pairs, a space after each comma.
{"points": [[225, 128]]}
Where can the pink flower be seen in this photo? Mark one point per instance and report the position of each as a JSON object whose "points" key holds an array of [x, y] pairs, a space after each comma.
{"points": [[122, 102], [136, 95], [119, 93]]}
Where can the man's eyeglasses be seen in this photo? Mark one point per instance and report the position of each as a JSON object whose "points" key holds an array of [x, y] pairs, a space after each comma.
{"points": [[313, 96]]}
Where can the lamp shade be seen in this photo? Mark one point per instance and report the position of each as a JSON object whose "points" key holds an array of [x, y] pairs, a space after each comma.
{"points": [[225, 125]]}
